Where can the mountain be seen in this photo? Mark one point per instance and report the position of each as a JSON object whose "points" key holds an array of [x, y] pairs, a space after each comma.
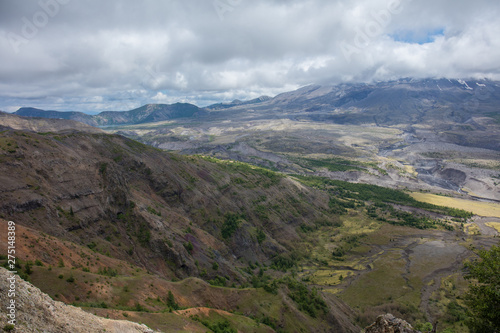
{"points": [[16, 122], [172, 216], [306, 242], [420, 134], [125, 230], [70, 115], [449, 105], [148, 113], [236, 102], [144, 114]]}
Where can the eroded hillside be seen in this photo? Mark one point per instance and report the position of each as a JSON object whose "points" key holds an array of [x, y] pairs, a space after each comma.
{"points": [[173, 216], [127, 230]]}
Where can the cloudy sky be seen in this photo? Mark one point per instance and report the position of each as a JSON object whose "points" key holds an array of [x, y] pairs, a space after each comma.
{"points": [[116, 55]]}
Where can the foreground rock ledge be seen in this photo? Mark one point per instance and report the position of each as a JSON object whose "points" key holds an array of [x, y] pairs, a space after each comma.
{"points": [[389, 324], [37, 312]]}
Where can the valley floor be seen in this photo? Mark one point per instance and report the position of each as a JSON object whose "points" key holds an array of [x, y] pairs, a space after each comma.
{"points": [[413, 273]]}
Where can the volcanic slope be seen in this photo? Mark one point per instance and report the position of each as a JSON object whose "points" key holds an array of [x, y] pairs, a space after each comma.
{"points": [[172, 216], [434, 135]]}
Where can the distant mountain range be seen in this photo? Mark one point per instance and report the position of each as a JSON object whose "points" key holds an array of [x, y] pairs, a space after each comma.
{"points": [[400, 102], [144, 114], [238, 102], [13, 121], [404, 101]]}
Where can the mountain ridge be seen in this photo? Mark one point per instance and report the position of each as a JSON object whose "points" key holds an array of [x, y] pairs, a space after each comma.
{"points": [[41, 124], [143, 114], [173, 216], [379, 103]]}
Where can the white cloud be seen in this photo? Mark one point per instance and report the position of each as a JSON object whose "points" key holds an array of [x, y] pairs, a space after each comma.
{"points": [[160, 98], [182, 51]]}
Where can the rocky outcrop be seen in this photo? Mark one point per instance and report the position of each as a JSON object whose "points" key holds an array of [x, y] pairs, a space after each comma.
{"points": [[389, 324], [37, 312]]}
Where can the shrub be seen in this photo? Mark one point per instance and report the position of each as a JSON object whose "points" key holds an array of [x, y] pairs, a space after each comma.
{"points": [[107, 271], [231, 224], [171, 303], [9, 328], [27, 268], [143, 235], [189, 247], [284, 263], [218, 281], [309, 301], [217, 327], [261, 236], [61, 263]]}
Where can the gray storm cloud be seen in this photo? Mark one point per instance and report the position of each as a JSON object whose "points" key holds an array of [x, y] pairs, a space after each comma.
{"points": [[114, 55]]}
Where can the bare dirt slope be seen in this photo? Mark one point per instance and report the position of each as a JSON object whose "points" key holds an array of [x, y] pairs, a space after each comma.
{"points": [[37, 312]]}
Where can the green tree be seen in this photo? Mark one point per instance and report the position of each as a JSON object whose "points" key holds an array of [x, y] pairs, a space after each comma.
{"points": [[171, 303], [483, 296]]}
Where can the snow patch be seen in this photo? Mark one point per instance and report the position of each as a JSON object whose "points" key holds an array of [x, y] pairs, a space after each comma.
{"points": [[465, 84]]}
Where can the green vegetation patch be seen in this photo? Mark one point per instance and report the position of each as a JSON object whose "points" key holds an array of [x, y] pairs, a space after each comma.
{"points": [[285, 262], [382, 285], [332, 164], [222, 326], [375, 194], [267, 177], [8, 144], [231, 224], [307, 300]]}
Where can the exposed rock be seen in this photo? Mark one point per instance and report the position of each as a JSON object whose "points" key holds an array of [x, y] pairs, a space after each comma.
{"points": [[389, 324], [37, 312]]}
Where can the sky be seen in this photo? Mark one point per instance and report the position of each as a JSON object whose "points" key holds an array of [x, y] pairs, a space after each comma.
{"points": [[94, 55]]}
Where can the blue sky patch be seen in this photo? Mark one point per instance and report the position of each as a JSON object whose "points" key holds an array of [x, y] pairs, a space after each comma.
{"points": [[417, 37]]}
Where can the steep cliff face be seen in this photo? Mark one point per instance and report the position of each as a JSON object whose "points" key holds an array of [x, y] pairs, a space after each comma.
{"points": [[37, 312]]}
